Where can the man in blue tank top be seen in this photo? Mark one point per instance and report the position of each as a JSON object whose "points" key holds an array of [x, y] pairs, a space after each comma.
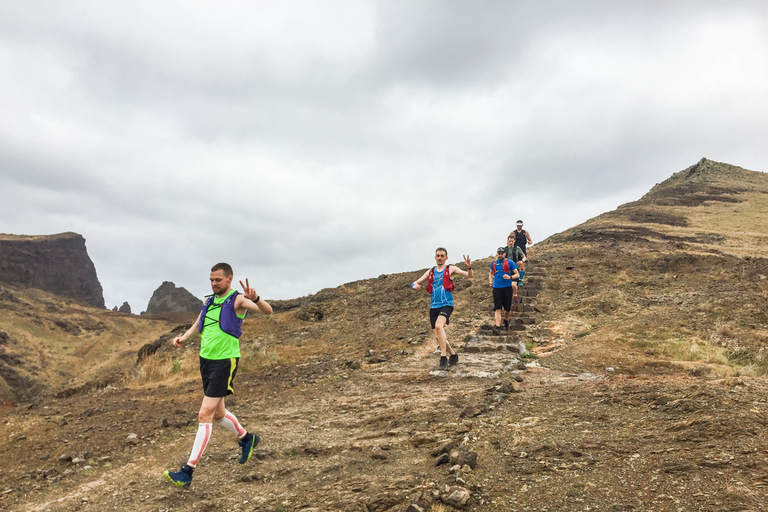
{"points": [[440, 285], [502, 281]]}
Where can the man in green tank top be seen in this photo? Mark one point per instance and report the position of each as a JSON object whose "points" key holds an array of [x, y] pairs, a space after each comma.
{"points": [[219, 324]]}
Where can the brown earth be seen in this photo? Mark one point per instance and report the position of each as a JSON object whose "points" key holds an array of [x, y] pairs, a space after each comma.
{"points": [[643, 390]]}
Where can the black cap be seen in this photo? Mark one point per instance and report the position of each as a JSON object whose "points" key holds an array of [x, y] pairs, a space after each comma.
{"points": [[501, 249]]}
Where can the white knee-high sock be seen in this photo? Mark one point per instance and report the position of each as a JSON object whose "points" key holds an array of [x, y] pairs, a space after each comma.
{"points": [[201, 441], [229, 422]]}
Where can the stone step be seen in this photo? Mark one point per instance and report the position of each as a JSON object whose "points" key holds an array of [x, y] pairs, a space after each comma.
{"points": [[517, 309], [487, 330], [483, 344], [482, 365], [485, 335]]}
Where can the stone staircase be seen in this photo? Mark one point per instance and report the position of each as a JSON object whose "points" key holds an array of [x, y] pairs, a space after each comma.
{"points": [[488, 355]]}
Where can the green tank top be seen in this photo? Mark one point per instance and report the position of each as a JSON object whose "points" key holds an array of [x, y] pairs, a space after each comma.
{"points": [[215, 343]]}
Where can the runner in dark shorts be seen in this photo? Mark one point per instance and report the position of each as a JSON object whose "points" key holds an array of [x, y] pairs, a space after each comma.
{"points": [[220, 326], [501, 277], [520, 239], [440, 285]]}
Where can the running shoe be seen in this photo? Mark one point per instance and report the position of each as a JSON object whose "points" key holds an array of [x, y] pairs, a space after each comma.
{"points": [[453, 359], [443, 363], [181, 478], [506, 324], [496, 330], [520, 283], [247, 445]]}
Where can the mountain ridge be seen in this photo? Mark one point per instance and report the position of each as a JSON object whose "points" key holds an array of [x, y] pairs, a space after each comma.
{"points": [[642, 386]]}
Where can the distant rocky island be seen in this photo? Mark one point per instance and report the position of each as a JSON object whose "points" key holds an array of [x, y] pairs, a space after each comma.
{"points": [[55, 263], [169, 298]]}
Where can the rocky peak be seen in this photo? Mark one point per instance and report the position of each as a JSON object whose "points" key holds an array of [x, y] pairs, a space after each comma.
{"points": [[171, 299], [55, 263]]}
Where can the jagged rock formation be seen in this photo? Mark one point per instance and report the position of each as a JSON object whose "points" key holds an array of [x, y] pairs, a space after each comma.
{"points": [[170, 299], [55, 263], [125, 308]]}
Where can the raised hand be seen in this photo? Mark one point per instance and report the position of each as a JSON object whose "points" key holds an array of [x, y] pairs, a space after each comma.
{"points": [[248, 292], [467, 262]]}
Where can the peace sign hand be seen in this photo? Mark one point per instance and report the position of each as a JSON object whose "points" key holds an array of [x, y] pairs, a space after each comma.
{"points": [[468, 262], [248, 292]]}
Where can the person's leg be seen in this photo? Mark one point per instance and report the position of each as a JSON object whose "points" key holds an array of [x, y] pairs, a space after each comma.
{"points": [[507, 306], [229, 421], [442, 337], [498, 301], [205, 416]]}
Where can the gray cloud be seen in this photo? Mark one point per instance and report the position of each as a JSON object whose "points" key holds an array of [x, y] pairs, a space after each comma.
{"points": [[313, 144]]}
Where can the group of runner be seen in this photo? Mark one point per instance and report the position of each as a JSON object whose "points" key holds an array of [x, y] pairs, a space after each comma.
{"points": [[220, 326], [505, 275]]}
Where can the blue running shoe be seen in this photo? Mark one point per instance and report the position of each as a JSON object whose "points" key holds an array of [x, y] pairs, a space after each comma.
{"points": [[181, 478], [247, 445]]}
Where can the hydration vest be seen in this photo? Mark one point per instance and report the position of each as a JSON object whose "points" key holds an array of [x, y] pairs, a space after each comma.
{"points": [[228, 322], [520, 238], [504, 266], [447, 281]]}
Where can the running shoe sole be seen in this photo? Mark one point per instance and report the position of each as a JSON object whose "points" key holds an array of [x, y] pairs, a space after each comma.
{"points": [[180, 485]]}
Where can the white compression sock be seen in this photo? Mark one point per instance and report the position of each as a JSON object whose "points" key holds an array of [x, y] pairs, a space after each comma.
{"points": [[201, 441], [229, 422]]}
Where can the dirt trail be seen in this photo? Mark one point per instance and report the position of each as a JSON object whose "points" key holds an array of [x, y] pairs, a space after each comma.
{"points": [[341, 435]]}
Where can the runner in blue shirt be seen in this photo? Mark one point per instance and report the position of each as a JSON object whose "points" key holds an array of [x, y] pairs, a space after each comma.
{"points": [[502, 274], [441, 305]]}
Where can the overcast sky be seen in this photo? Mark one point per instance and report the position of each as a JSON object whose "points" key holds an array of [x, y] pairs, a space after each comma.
{"points": [[315, 143]]}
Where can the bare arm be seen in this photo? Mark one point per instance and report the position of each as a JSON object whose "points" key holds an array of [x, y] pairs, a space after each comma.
{"points": [[528, 236], [416, 285], [251, 301], [466, 273], [179, 340]]}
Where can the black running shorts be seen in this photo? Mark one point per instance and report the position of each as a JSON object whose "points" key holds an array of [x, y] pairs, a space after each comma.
{"points": [[502, 298], [443, 311], [218, 375]]}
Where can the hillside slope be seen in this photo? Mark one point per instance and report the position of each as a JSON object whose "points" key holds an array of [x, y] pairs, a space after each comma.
{"points": [[646, 393], [676, 278], [49, 343]]}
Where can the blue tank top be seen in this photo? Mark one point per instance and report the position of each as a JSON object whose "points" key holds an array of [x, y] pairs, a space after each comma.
{"points": [[440, 297]]}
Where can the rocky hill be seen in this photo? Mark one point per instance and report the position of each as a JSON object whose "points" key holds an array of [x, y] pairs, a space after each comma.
{"points": [[632, 379], [168, 298], [55, 263]]}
